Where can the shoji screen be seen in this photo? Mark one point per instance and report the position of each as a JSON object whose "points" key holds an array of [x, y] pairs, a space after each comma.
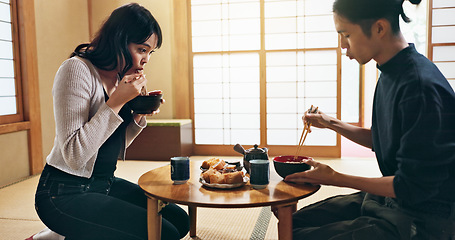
{"points": [[442, 37]]}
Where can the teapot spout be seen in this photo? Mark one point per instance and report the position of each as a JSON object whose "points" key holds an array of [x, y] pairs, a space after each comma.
{"points": [[238, 148]]}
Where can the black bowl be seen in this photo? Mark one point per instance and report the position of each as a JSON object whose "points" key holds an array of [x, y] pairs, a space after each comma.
{"points": [[286, 165], [145, 104]]}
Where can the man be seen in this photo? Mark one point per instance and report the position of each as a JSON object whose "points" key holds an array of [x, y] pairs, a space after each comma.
{"points": [[412, 134]]}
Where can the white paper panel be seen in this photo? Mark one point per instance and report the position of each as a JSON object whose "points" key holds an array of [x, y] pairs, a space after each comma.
{"points": [[208, 121], [206, 12], [199, 2], [327, 105], [321, 40], [447, 68], [280, 9], [321, 137], [349, 90], [282, 121], [319, 24], [7, 105], [5, 31], [281, 105], [321, 89], [282, 137], [280, 41], [321, 73], [443, 53], [452, 83], [443, 34], [243, 42], [244, 10], [443, 17], [6, 49], [243, 59], [244, 106], [443, 3], [245, 137], [245, 90], [207, 60], [287, 90], [208, 91], [208, 136], [245, 121], [206, 28], [207, 75], [5, 12], [318, 7], [244, 74], [244, 26], [280, 25], [206, 44], [6, 68], [208, 106], [281, 59], [321, 57], [8, 87], [281, 74]]}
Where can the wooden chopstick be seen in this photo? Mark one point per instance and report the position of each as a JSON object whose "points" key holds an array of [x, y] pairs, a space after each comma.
{"points": [[305, 131]]}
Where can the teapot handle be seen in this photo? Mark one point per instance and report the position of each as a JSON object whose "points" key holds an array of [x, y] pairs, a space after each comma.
{"points": [[238, 148]]}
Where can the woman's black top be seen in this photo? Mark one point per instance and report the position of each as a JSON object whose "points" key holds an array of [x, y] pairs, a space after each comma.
{"points": [[108, 154]]}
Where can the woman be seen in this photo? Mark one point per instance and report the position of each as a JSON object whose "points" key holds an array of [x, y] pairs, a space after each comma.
{"points": [[412, 134], [78, 195]]}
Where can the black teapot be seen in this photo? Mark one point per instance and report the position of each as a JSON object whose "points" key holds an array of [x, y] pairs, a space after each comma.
{"points": [[252, 153]]}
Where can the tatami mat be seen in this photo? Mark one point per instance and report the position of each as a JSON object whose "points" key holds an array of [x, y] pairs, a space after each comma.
{"points": [[18, 219]]}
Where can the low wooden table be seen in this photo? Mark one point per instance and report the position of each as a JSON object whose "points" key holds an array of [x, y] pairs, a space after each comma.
{"points": [[281, 196]]}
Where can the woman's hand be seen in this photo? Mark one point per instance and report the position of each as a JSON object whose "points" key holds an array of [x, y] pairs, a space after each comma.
{"points": [[319, 174], [131, 85], [137, 117], [128, 88]]}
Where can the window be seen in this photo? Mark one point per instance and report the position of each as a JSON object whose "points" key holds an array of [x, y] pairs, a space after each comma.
{"points": [[258, 65], [10, 99], [441, 49], [19, 76]]}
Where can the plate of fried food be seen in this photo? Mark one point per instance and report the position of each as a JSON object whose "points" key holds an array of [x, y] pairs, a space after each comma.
{"points": [[217, 173]]}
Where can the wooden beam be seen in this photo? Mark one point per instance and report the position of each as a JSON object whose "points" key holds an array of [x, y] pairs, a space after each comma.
{"points": [[14, 127], [180, 60], [29, 71]]}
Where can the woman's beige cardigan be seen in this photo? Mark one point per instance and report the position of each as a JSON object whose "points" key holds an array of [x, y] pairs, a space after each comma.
{"points": [[83, 120]]}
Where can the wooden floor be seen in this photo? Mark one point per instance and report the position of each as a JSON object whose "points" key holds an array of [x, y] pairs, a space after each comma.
{"points": [[18, 219]]}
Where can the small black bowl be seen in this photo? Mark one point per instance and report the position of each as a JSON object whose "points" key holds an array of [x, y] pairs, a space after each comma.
{"points": [[145, 104], [286, 165]]}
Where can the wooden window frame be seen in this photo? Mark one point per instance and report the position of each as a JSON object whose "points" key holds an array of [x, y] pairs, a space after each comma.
{"points": [[430, 44], [28, 117], [183, 82]]}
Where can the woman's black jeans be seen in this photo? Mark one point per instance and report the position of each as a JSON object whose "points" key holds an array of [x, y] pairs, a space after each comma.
{"points": [[100, 208]]}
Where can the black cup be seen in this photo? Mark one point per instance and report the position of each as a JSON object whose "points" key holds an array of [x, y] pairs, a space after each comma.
{"points": [[180, 169], [259, 173]]}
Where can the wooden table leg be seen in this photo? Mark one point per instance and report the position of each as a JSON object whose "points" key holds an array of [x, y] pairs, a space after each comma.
{"points": [[153, 219], [193, 219], [284, 215]]}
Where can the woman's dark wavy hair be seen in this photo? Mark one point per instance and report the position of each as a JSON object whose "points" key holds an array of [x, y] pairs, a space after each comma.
{"points": [[366, 12], [127, 24]]}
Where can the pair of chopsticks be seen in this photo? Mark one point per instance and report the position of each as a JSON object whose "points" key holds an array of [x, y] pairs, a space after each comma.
{"points": [[305, 131], [143, 89]]}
